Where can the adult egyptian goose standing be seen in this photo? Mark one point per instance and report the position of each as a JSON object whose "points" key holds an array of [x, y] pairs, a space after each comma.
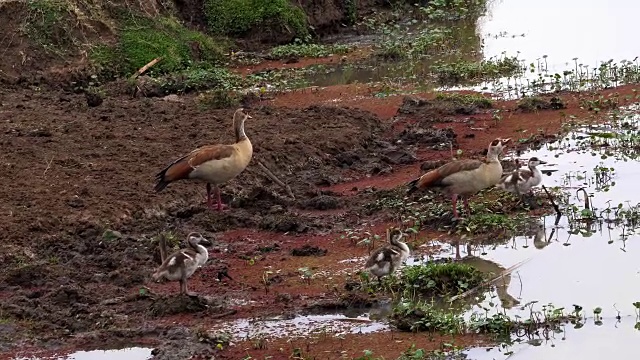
{"points": [[521, 181], [387, 259], [464, 177], [213, 164], [180, 265]]}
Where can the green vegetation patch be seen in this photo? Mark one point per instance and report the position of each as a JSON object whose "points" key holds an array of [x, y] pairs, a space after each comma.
{"points": [[143, 40], [465, 72], [299, 49], [454, 10], [493, 212], [421, 316], [239, 17], [444, 279]]}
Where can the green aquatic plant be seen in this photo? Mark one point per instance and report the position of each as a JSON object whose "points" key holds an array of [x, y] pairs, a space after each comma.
{"points": [[465, 72], [439, 279], [422, 316], [301, 49]]}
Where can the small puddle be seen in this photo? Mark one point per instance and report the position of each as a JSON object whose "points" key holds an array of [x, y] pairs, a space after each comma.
{"points": [[133, 353], [352, 321]]}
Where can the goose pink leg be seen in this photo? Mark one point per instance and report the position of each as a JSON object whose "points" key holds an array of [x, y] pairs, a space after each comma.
{"points": [[465, 200], [220, 206], [454, 200]]}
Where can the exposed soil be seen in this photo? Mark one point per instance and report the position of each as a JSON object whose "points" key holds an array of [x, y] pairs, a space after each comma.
{"points": [[80, 219]]}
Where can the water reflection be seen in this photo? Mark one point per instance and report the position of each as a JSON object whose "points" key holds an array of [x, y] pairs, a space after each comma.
{"points": [[352, 321], [612, 340], [590, 258], [592, 31]]}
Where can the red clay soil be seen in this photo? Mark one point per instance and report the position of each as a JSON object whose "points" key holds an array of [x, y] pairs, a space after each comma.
{"points": [[72, 172], [388, 345], [358, 54]]}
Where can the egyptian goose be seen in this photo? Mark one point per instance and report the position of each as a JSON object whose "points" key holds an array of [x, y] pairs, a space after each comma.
{"points": [[521, 181], [464, 177], [213, 164], [387, 259], [180, 265]]}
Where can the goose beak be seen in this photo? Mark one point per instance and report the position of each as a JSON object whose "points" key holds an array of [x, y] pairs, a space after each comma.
{"points": [[206, 242], [542, 162], [505, 141]]}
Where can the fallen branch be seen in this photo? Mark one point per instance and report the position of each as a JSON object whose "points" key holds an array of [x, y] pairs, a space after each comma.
{"points": [[145, 68], [276, 180], [489, 282], [553, 203]]}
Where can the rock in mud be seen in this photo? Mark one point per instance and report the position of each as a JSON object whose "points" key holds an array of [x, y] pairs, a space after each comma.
{"points": [[259, 197], [435, 110], [397, 156], [184, 343], [287, 222], [183, 304], [535, 103], [93, 98], [321, 202], [437, 139], [308, 250]]}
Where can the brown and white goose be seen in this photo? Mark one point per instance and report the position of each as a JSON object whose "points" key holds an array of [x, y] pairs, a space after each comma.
{"points": [[213, 164], [521, 181], [464, 177], [387, 259], [180, 265]]}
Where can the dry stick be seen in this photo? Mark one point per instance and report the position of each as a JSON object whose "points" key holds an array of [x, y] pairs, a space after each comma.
{"points": [[140, 72], [553, 203], [489, 282], [276, 180], [145, 68]]}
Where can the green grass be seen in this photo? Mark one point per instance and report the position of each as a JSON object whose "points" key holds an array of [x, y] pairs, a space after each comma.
{"points": [[143, 40], [239, 17]]}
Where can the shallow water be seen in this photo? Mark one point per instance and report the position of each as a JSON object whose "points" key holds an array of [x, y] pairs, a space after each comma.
{"points": [[592, 31], [611, 340], [134, 353], [349, 322], [554, 36], [595, 267]]}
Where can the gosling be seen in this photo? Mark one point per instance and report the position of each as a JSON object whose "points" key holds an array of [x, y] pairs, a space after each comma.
{"points": [[522, 181], [180, 265], [387, 259]]}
